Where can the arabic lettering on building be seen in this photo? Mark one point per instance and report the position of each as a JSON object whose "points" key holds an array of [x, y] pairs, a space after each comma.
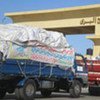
{"points": [[94, 20]]}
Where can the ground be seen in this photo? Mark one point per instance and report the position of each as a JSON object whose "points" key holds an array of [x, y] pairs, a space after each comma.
{"points": [[60, 96]]}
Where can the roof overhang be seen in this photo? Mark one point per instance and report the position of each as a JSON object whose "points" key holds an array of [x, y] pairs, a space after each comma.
{"points": [[67, 20]]}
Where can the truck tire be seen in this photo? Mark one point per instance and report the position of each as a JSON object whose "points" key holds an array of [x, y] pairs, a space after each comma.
{"points": [[10, 91], [26, 92], [46, 93], [94, 91], [75, 89], [17, 94], [2, 93], [91, 91]]}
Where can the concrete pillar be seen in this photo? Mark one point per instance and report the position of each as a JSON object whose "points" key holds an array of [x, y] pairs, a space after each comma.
{"points": [[97, 29], [96, 40], [96, 47]]}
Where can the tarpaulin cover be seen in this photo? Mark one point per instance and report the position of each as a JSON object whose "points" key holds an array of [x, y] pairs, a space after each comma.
{"points": [[26, 42]]}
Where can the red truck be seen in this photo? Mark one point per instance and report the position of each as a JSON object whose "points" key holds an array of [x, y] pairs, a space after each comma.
{"points": [[93, 65], [94, 76]]}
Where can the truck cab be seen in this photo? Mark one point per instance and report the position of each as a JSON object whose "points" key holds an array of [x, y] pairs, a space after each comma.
{"points": [[81, 70]]}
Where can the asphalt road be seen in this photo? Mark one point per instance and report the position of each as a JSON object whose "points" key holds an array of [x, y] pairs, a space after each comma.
{"points": [[60, 96]]}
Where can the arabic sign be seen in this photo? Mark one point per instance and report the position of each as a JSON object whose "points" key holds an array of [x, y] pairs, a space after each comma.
{"points": [[43, 54], [94, 20]]}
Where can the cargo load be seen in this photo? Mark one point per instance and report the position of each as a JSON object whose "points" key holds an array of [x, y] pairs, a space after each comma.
{"points": [[26, 42]]}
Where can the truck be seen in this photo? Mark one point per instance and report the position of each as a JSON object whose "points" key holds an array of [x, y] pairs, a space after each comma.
{"points": [[30, 66], [93, 65], [25, 77], [94, 76]]}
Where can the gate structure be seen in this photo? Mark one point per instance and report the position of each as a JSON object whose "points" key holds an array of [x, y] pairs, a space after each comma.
{"points": [[75, 20]]}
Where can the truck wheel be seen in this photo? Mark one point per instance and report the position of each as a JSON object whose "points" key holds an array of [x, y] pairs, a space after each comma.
{"points": [[10, 91], [26, 92], [17, 94], [75, 89], [91, 91], [2, 93], [46, 93], [94, 91]]}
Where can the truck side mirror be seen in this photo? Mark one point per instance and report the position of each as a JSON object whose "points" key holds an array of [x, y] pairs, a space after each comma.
{"points": [[89, 51], [85, 58], [1, 56]]}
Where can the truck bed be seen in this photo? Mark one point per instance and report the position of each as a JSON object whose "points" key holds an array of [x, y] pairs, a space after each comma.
{"points": [[93, 70], [19, 67]]}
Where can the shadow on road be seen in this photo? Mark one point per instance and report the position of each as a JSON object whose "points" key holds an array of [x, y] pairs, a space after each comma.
{"points": [[54, 95]]}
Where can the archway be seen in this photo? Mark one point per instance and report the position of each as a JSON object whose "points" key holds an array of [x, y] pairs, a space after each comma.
{"points": [[75, 20]]}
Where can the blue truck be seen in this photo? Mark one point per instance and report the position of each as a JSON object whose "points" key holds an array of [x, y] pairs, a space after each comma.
{"points": [[25, 77]]}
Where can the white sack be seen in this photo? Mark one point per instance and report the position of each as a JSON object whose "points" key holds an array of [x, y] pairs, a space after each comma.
{"points": [[21, 34]]}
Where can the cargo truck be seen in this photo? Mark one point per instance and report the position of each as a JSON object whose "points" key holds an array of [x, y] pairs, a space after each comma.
{"points": [[33, 60], [94, 76], [93, 65], [25, 77]]}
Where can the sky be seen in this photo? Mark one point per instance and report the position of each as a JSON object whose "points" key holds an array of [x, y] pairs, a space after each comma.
{"points": [[79, 42]]}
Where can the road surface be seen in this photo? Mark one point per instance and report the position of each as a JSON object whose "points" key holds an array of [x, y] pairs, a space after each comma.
{"points": [[60, 96]]}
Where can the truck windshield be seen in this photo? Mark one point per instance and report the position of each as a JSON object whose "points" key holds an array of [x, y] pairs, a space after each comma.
{"points": [[80, 61]]}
